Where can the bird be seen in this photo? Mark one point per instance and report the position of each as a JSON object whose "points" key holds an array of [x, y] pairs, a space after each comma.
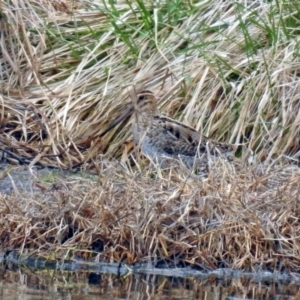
{"points": [[163, 139]]}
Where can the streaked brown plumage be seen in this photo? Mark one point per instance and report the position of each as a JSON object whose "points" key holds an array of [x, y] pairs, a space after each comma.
{"points": [[162, 138]]}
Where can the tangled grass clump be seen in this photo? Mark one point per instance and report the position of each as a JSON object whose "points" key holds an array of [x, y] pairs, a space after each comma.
{"points": [[230, 70], [238, 220]]}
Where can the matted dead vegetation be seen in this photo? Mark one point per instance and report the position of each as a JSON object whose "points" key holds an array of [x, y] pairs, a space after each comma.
{"points": [[228, 69], [227, 220]]}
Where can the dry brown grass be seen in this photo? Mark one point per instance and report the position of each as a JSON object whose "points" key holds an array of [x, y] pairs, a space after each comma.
{"points": [[65, 69], [66, 66], [229, 219]]}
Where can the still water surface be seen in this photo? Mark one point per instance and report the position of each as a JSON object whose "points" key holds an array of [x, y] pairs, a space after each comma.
{"points": [[48, 284]]}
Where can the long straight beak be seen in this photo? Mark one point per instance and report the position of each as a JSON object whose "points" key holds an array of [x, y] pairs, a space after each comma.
{"points": [[128, 112]]}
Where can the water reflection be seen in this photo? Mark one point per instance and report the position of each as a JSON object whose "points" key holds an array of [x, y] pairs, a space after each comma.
{"points": [[48, 284]]}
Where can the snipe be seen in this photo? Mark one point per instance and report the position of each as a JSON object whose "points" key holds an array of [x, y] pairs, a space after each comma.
{"points": [[161, 138]]}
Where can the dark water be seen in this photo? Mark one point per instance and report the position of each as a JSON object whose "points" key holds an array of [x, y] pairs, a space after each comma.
{"points": [[50, 284]]}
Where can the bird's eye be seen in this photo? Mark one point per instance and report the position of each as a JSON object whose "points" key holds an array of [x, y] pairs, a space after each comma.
{"points": [[142, 98]]}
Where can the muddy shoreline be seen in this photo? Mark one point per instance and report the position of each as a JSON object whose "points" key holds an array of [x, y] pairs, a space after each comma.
{"points": [[20, 179]]}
